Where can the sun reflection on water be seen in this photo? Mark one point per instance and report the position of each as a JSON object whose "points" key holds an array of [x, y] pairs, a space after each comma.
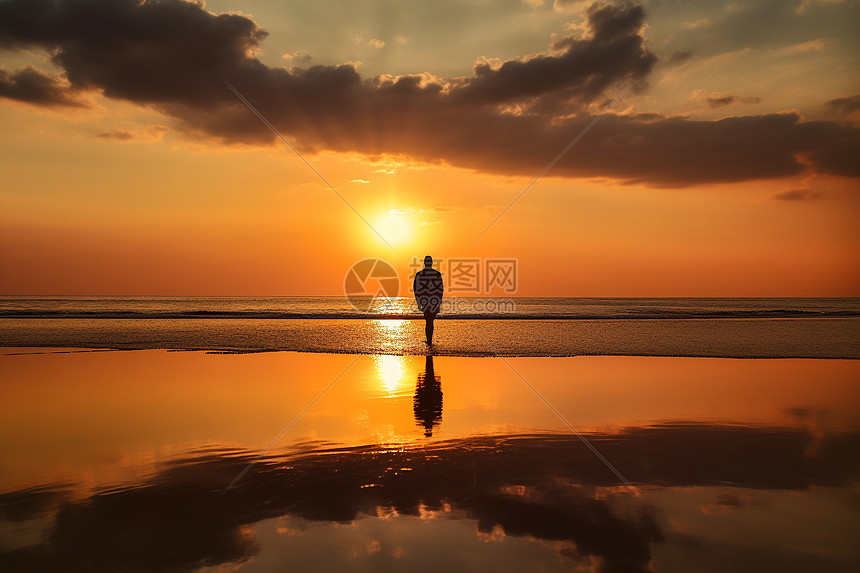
{"points": [[392, 305], [391, 334], [390, 370]]}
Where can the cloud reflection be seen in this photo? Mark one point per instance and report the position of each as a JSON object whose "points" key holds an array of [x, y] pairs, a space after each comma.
{"points": [[545, 487]]}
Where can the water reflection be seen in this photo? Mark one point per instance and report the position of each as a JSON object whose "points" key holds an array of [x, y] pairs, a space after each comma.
{"points": [[389, 369], [774, 489], [391, 334], [428, 398], [541, 487], [393, 305]]}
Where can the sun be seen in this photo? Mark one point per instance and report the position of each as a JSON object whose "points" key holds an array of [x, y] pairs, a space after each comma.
{"points": [[394, 225]]}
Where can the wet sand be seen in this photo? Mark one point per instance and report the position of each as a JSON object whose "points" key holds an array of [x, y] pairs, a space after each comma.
{"points": [[712, 337]]}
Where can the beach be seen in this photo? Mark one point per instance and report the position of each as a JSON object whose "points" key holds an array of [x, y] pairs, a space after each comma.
{"points": [[349, 458]]}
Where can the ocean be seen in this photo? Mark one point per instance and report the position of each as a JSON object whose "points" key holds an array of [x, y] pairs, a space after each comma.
{"points": [[519, 326]]}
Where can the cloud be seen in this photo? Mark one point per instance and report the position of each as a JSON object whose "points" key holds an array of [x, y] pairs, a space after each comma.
{"points": [[696, 24], [810, 46], [800, 194], [119, 135], [163, 53], [613, 21], [151, 133], [678, 57], [577, 71], [717, 99], [29, 85], [844, 105], [507, 117], [156, 131], [362, 181], [568, 5], [805, 5], [677, 152], [299, 56], [376, 43]]}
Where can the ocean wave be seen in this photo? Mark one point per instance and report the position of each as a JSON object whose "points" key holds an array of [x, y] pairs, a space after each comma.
{"points": [[638, 314]]}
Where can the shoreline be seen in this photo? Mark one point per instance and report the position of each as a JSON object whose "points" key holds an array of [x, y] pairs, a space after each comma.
{"points": [[46, 350], [216, 315]]}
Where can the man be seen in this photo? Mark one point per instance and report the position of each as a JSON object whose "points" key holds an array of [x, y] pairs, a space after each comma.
{"points": [[428, 289]]}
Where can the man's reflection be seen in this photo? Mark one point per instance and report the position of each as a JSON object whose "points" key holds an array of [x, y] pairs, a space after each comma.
{"points": [[428, 398]]}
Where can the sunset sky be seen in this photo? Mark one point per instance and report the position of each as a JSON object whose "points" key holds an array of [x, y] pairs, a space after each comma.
{"points": [[729, 167]]}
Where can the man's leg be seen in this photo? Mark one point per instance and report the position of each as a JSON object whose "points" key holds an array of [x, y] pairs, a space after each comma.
{"points": [[428, 326]]}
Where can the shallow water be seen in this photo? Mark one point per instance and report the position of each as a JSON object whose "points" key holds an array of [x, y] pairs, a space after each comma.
{"points": [[119, 461], [738, 338]]}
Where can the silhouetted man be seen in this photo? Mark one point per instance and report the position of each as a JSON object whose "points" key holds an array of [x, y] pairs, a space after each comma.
{"points": [[428, 289]]}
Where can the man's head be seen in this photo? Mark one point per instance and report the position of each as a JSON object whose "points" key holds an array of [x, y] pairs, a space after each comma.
{"points": [[428, 262]]}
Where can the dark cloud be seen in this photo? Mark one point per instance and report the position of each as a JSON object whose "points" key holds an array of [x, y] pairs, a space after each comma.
{"points": [[584, 68], [29, 85], [576, 72], [797, 195], [678, 57], [119, 135], [510, 118], [845, 105], [664, 151], [609, 22], [723, 100]]}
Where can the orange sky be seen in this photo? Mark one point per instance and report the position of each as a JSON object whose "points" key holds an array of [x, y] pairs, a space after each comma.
{"points": [[728, 168]]}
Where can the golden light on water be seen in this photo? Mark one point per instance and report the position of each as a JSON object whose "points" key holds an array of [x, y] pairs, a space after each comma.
{"points": [[389, 305], [390, 370], [391, 333]]}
